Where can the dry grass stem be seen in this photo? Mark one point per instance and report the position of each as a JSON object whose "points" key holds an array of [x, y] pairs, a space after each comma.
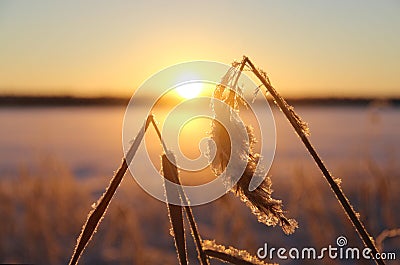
{"points": [[170, 173], [388, 233], [230, 254], [302, 131], [202, 256], [95, 216], [174, 177]]}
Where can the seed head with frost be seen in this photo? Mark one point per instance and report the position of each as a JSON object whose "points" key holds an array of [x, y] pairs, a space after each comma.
{"points": [[225, 133]]}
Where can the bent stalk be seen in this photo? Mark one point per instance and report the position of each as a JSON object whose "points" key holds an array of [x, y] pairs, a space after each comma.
{"points": [[343, 200]]}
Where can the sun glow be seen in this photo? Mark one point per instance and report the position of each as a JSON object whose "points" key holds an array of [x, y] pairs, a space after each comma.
{"points": [[189, 90]]}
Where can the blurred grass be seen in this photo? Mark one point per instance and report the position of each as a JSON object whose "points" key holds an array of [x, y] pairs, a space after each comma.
{"points": [[41, 216]]}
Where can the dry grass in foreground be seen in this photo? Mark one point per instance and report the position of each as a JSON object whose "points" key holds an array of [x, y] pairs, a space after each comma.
{"points": [[41, 215], [262, 205], [49, 209], [132, 221]]}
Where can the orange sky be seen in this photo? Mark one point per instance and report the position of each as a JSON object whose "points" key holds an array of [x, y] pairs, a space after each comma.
{"points": [[308, 48]]}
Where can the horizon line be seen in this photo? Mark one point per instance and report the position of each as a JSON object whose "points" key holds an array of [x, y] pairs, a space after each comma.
{"points": [[70, 100]]}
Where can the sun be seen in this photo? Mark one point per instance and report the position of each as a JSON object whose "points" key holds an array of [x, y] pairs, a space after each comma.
{"points": [[189, 90]]}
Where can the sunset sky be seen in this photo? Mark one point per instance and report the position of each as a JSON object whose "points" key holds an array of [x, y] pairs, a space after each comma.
{"points": [[91, 48]]}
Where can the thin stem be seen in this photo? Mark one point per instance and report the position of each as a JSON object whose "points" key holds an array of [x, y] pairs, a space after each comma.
{"points": [[170, 172], [343, 200], [242, 64], [227, 258], [196, 235], [159, 134], [96, 215], [188, 209]]}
